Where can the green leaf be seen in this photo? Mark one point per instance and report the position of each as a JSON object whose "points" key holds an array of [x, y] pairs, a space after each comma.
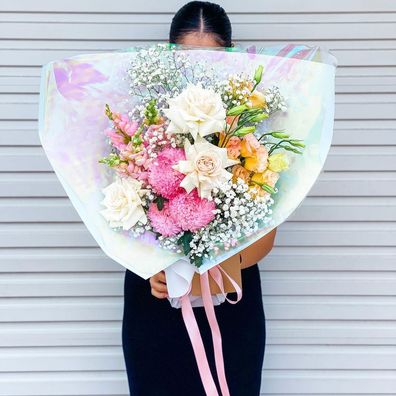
{"points": [[185, 240], [160, 202], [111, 160], [197, 260]]}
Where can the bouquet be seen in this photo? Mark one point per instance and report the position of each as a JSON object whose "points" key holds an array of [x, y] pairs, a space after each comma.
{"points": [[177, 158], [194, 162]]}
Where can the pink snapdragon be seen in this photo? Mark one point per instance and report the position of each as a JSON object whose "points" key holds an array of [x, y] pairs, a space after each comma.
{"points": [[117, 139], [124, 124], [138, 161]]}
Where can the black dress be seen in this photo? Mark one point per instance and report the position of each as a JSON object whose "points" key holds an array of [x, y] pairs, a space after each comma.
{"points": [[158, 354]]}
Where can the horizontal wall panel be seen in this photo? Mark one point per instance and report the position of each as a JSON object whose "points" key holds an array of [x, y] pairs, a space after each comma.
{"points": [[373, 158], [137, 18], [312, 209], [250, 31], [302, 357], [289, 234], [283, 258], [249, 6], [62, 309], [348, 107], [348, 84], [337, 184], [314, 283], [102, 383], [346, 133], [374, 57], [55, 334]]}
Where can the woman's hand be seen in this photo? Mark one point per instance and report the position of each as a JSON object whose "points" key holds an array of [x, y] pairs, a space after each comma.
{"points": [[158, 285]]}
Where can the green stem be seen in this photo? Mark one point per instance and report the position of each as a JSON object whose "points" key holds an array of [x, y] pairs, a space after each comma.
{"points": [[276, 145], [269, 133]]}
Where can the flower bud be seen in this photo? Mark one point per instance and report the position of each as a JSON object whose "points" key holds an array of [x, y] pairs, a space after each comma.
{"points": [[280, 135], [268, 188], [259, 117], [297, 143], [245, 130], [237, 110], [258, 74], [288, 148]]}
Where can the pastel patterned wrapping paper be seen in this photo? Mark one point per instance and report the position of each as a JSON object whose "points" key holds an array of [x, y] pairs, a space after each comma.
{"points": [[72, 120]]}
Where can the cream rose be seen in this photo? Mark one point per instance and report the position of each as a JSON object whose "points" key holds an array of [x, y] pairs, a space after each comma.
{"points": [[197, 111], [123, 203], [204, 167]]}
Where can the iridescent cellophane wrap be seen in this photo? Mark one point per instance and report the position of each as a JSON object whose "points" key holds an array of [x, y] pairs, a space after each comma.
{"points": [[72, 123]]}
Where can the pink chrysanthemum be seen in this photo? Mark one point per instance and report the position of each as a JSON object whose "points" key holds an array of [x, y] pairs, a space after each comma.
{"points": [[162, 221], [190, 211], [164, 179]]}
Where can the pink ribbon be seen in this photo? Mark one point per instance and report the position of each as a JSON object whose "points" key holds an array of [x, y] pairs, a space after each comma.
{"points": [[195, 336]]}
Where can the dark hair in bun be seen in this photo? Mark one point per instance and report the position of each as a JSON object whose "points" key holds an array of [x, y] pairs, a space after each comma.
{"points": [[201, 17]]}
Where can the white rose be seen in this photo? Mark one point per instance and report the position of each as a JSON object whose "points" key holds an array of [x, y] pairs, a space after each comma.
{"points": [[204, 167], [197, 111], [123, 204]]}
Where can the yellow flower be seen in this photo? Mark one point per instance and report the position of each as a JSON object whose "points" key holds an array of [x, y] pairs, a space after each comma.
{"points": [[257, 99], [258, 162], [278, 162], [249, 145], [268, 177]]}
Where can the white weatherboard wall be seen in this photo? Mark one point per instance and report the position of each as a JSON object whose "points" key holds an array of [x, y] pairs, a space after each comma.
{"points": [[329, 286]]}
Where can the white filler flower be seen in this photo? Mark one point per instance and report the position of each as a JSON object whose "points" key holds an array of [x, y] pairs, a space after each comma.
{"points": [[204, 167], [123, 204], [197, 111]]}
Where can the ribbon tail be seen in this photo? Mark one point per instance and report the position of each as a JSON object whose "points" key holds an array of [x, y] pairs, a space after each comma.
{"points": [[216, 275], [198, 347], [216, 335]]}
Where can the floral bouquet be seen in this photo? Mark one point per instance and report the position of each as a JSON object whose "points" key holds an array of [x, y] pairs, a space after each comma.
{"points": [[177, 158]]}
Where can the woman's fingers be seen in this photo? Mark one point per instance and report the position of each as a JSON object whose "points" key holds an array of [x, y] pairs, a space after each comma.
{"points": [[158, 294], [158, 285], [161, 276]]}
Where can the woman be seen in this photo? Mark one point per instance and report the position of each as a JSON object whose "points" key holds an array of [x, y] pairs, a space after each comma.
{"points": [[158, 354]]}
